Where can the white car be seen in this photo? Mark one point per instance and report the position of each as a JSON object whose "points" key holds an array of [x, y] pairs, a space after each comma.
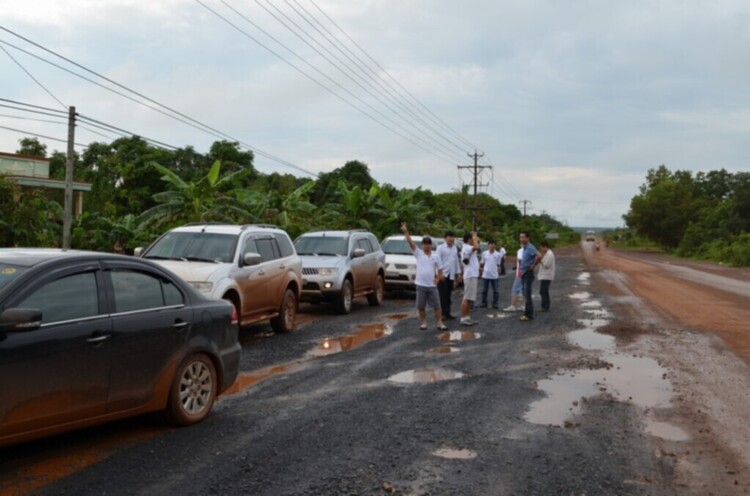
{"points": [[400, 264]]}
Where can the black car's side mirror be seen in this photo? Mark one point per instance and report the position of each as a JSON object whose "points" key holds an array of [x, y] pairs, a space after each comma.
{"points": [[20, 320], [249, 259]]}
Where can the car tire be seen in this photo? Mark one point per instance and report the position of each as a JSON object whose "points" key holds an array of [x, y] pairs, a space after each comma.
{"points": [[193, 391], [344, 303], [284, 322], [375, 299]]}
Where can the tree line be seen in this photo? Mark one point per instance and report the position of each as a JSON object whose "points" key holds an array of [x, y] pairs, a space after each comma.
{"points": [[706, 215], [140, 191]]}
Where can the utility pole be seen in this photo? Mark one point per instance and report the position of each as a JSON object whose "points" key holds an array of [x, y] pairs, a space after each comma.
{"points": [[476, 170], [524, 203], [68, 212]]}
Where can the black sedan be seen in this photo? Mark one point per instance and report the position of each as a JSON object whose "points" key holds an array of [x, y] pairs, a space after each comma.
{"points": [[86, 338]]}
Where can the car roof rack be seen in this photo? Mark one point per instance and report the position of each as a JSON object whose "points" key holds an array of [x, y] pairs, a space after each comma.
{"points": [[265, 226], [204, 224]]}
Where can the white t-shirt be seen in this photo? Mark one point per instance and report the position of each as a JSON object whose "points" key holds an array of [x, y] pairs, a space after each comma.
{"points": [[502, 252], [519, 257], [427, 268], [491, 260], [472, 268]]}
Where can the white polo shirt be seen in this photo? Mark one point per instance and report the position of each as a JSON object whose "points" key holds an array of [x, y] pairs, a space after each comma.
{"points": [[491, 261], [472, 268], [427, 268]]}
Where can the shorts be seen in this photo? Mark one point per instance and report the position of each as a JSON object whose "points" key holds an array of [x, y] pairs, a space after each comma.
{"points": [[470, 288], [427, 296], [517, 287]]}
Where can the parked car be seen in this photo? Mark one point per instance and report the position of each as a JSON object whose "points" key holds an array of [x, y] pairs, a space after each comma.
{"points": [[255, 267], [400, 264], [590, 236], [87, 338], [339, 266]]}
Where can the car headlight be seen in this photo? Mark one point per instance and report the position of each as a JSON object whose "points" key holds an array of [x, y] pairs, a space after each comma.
{"points": [[202, 286], [328, 271]]}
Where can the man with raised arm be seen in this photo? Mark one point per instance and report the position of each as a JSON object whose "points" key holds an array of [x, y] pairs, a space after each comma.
{"points": [[428, 275]]}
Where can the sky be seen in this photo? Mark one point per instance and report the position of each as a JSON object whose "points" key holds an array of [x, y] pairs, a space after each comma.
{"points": [[570, 102]]}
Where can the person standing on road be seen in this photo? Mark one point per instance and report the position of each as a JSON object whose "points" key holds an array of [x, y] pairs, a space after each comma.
{"points": [[546, 273], [517, 291], [470, 259], [502, 259], [448, 258], [491, 262], [529, 260], [426, 280]]}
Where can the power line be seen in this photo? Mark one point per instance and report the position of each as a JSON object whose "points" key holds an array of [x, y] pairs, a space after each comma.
{"points": [[182, 117], [34, 119], [32, 77], [29, 133]]}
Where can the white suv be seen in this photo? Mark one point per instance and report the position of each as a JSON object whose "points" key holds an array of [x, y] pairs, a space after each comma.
{"points": [[400, 264], [255, 267]]}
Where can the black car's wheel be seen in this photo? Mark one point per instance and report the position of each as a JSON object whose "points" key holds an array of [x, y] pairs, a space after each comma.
{"points": [[375, 299], [284, 322], [193, 390], [344, 303]]}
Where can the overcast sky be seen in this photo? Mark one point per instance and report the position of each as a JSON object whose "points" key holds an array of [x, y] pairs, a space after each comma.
{"points": [[572, 102]]}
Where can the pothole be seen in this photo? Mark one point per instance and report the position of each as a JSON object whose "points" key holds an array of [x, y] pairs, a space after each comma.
{"points": [[591, 304], [589, 339], [247, 379], [365, 334], [459, 336], [666, 431], [580, 295], [455, 454], [425, 375], [444, 350], [599, 313]]}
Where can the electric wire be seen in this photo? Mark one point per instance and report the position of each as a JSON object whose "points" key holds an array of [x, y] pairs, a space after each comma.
{"points": [[29, 133]]}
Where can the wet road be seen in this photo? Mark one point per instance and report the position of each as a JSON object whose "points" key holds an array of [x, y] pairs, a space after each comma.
{"points": [[369, 404]]}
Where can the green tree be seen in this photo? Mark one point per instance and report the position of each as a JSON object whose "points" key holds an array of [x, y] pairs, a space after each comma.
{"points": [[31, 147]]}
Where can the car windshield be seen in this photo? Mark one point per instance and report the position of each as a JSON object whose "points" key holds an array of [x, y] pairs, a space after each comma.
{"points": [[398, 247], [321, 245], [194, 247], [8, 273]]}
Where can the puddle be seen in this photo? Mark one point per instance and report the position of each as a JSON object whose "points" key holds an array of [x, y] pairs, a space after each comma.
{"points": [[666, 431], [444, 350], [458, 336], [591, 304], [426, 375], [498, 315], [580, 295], [599, 313], [365, 334], [247, 379], [589, 339], [455, 454], [397, 316], [593, 323], [584, 276], [639, 380]]}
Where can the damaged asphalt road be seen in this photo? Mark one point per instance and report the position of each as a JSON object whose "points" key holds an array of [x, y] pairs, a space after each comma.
{"points": [[390, 409]]}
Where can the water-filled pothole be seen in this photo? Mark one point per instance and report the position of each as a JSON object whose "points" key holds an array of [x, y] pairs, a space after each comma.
{"points": [[639, 380], [247, 379], [589, 339], [591, 304], [459, 336], [666, 431], [365, 334], [455, 454], [425, 375], [444, 350], [580, 295]]}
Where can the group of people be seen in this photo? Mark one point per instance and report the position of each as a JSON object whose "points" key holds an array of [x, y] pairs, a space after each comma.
{"points": [[440, 270]]}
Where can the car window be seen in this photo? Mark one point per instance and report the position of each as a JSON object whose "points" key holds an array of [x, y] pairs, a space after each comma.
{"points": [[374, 243], [249, 246], [68, 298], [322, 245], [172, 295], [194, 246], [365, 245], [399, 246], [267, 249], [136, 291], [285, 244], [9, 272]]}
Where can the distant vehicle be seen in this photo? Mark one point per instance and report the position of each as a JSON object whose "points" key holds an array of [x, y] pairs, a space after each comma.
{"points": [[339, 266], [400, 264], [255, 267], [87, 338], [590, 236]]}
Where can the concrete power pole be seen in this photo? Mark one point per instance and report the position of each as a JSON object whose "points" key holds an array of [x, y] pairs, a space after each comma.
{"points": [[524, 203], [68, 207], [476, 170]]}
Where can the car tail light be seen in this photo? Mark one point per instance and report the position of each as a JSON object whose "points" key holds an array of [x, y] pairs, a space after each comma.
{"points": [[235, 315]]}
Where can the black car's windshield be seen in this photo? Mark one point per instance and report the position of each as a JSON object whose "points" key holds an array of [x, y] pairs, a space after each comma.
{"points": [[398, 247], [322, 245], [194, 247], [8, 273]]}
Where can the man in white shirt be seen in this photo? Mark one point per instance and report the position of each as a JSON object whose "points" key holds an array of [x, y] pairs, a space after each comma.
{"points": [[546, 273], [502, 259], [447, 254], [491, 262], [427, 277], [470, 259]]}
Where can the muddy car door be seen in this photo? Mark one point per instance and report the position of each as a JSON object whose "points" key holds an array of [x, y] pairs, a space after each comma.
{"points": [[252, 281], [360, 266], [58, 373]]}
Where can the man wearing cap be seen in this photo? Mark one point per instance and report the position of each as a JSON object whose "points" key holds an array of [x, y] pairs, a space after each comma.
{"points": [[427, 278], [447, 254]]}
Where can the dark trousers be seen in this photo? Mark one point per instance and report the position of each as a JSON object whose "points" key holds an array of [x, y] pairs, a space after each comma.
{"points": [[544, 293], [528, 281], [486, 283], [445, 289]]}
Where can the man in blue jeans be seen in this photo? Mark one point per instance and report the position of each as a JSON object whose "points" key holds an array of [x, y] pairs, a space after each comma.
{"points": [[529, 261]]}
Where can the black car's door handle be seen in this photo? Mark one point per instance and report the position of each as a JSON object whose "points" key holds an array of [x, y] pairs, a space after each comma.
{"points": [[180, 325], [98, 339]]}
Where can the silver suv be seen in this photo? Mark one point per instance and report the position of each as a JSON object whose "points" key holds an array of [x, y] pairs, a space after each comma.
{"points": [[341, 265], [255, 267]]}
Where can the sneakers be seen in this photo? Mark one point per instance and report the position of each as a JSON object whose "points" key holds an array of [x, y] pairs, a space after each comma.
{"points": [[520, 308], [423, 327], [525, 318], [468, 322], [495, 307], [510, 308], [442, 327]]}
